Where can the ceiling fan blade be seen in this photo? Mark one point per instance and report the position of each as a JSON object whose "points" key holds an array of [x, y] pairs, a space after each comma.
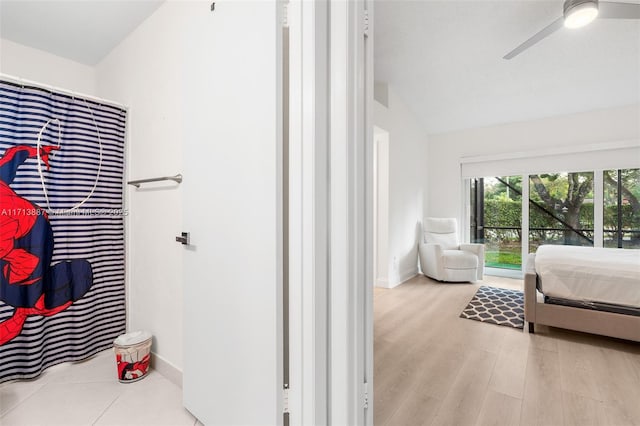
{"points": [[547, 31], [610, 10]]}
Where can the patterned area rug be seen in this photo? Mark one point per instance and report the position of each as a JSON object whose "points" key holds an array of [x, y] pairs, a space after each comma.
{"points": [[496, 306]]}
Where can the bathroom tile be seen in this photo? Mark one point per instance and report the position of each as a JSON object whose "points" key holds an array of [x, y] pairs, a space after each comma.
{"points": [[12, 394], [151, 401], [99, 368], [88, 392], [63, 404]]}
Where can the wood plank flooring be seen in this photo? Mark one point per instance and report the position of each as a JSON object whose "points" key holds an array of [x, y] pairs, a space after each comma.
{"points": [[433, 368]]}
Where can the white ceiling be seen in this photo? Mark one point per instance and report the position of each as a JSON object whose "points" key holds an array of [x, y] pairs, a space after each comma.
{"points": [[444, 59], [82, 30]]}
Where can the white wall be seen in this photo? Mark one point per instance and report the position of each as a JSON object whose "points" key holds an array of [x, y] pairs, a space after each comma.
{"points": [[144, 72], [407, 185], [43, 67], [570, 132]]}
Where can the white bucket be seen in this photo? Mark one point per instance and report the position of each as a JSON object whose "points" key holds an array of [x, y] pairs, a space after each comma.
{"points": [[133, 353]]}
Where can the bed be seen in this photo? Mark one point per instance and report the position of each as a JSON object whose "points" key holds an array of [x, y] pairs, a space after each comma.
{"points": [[586, 289]]}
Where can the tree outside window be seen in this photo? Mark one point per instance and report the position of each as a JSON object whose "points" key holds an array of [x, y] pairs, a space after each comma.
{"points": [[561, 209], [561, 212], [621, 208]]}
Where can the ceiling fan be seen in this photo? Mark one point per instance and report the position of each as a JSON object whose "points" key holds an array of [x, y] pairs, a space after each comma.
{"points": [[578, 13]]}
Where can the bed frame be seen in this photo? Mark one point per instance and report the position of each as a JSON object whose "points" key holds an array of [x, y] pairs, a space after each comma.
{"points": [[587, 320]]}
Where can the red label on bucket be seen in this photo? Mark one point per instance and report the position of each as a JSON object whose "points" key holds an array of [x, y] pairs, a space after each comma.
{"points": [[131, 370]]}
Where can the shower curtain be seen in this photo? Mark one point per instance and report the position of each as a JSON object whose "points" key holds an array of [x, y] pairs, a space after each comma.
{"points": [[62, 267]]}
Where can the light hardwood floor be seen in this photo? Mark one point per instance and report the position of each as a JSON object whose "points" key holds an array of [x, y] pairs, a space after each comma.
{"points": [[433, 368]]}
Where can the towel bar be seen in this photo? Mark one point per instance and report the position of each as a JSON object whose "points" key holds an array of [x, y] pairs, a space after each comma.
{"points": [[177, 178]]}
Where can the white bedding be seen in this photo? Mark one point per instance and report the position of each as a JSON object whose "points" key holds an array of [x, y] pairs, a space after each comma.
{"points": [[590, 274]]}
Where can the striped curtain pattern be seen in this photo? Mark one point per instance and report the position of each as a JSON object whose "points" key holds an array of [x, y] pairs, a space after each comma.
{"points": [[92, 232]]}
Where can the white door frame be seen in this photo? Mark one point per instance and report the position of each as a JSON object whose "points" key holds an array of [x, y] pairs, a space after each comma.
{"points": [[330, 224], [350, 220], [308, 212], [380, 207]]}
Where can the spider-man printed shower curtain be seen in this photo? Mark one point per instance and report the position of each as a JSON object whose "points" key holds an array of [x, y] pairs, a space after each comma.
{"points": [[61, 228]]}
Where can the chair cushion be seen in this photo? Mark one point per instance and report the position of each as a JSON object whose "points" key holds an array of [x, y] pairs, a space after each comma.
{"points": [[440, 225], [458, 259], [446, 241], [442, 231]]}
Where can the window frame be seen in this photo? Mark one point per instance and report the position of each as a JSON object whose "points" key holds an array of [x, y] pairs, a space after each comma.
{"points": [[598, 214]]}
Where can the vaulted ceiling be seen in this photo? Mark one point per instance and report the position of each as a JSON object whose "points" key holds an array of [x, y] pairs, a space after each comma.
{"points": [[80, 30], [444, 59]]}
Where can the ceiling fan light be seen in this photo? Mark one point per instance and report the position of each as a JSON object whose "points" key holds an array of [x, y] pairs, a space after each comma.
{"points": [[580, 14]]}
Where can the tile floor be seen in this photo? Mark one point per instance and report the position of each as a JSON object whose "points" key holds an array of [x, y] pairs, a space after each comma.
{"points": [[88, 393]]}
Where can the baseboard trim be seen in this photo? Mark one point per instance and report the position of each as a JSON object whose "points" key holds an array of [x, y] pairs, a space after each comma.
{"points": [[403, 277], [167, 369], [382, 282], [407, 275]]}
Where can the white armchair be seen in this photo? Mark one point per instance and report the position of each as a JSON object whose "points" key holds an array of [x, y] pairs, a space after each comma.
{"points": [[443, 258]]}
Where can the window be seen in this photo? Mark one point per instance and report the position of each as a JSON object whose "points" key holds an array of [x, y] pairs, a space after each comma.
{"points": [[621, 210], [496, 215], [561, 209]]}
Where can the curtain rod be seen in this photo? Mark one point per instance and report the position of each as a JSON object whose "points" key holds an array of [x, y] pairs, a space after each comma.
{"points": [[25, 82]]}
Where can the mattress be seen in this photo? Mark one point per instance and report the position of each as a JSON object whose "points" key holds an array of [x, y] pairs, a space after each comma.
{"points": [[589, 274]]}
